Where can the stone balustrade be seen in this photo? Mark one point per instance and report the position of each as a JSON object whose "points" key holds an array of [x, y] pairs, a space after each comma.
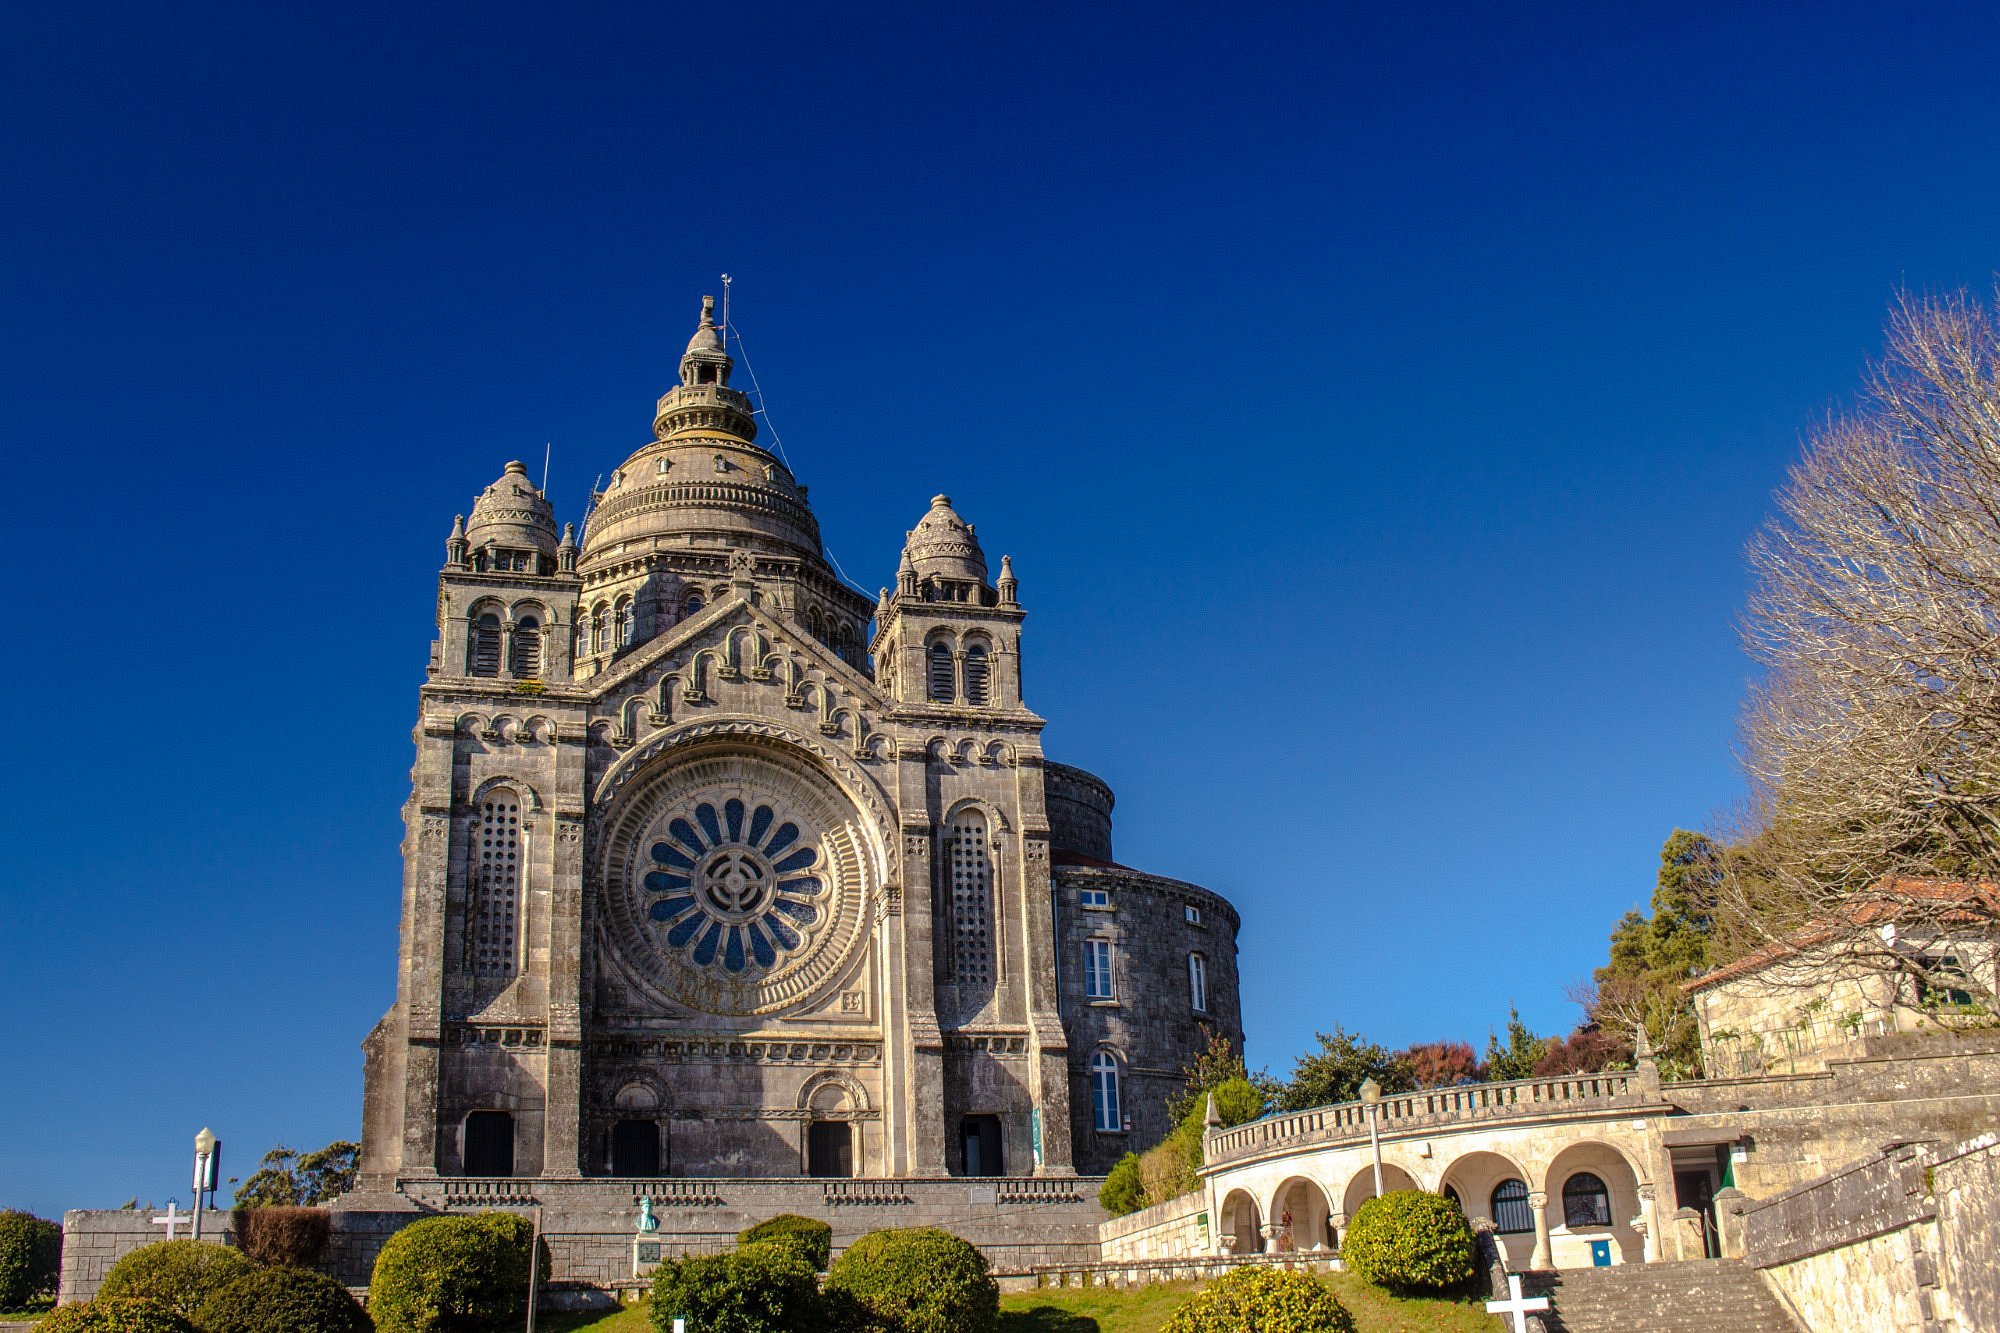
{"points": [[1435, 1108]]}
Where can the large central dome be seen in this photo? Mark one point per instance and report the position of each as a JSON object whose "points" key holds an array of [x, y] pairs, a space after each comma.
{"points": [[702, 480]]}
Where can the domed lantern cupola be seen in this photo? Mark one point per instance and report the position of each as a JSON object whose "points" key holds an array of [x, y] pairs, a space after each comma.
{"points": [[514, 522], [703, 399]]}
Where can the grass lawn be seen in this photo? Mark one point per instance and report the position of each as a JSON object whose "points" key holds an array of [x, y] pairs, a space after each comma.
{"points": [[1147, 1309], [1141, 1310]]}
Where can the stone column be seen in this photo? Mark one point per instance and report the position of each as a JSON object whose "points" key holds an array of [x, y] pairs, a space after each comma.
{"points": [[1543, 1257], [562, 1116], [1648, 1223]]}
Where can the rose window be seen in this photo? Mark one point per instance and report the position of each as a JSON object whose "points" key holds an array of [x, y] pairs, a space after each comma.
{"points": [[735, 886]]}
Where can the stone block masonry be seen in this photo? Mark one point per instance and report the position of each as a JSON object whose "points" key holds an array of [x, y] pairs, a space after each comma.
{"points": [[1018, 1223]]}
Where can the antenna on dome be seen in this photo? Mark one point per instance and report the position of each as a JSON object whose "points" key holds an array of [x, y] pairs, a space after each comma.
{"points": [[725, 311], [548, 446]]}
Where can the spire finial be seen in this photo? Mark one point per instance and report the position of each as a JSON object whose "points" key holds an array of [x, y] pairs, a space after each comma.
{"points": [[708, 312]]}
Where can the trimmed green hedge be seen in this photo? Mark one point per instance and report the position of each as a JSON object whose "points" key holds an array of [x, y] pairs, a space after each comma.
{"points": [[115, 1315], [761, 1288], [919, 1280], [1410, 1240], [179, 1274], [282, 1300], [812, 1239], [1262, 1300], [468, 1271], [30, 1258]]}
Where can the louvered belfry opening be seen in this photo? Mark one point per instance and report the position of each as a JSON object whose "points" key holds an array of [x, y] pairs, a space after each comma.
{"points": [[496, 900], [941, 682], [486, 645], [971, 901], [976, 674], [527, 663]]}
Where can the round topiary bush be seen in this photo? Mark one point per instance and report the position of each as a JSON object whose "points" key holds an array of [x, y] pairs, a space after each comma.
{"points": [[761, 1288], [462, 1272], [115, 1315], [919, 1280], [30, 1258], [179, 1274], [812, 1239], [1409, 1240], [1263, 1300], [282, 1300]]}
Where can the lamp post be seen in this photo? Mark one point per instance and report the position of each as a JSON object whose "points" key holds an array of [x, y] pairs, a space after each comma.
{"points": [[207, 1158], [1371, 1097]]}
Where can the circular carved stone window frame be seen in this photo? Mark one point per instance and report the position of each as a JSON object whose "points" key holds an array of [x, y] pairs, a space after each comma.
{"points": [[797, 788]]}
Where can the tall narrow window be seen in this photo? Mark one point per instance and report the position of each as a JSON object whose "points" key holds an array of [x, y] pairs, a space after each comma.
{"points": [[1097, 969], [692, 606], [1198, 983], [1104, 1092], [600, 629], [942, 687], [628, 625], [976, 675], [486, 645], [527, 662], [497, 894], [971, 900]]}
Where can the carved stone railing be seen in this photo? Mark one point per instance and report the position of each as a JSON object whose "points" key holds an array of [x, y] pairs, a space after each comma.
{"points": [[485, 1191], [1435, 1108], [1033, 1189], [846, 1191]]}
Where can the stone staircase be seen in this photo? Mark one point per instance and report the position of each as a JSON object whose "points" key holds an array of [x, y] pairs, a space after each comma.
{"points": [[1698, 1296]]}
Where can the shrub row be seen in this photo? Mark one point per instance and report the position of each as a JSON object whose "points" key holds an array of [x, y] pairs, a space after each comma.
{"points": [[186, 1286], [30, 1257]]}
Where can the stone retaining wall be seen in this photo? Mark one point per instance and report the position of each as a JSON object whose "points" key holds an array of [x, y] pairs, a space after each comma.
{"points": [[1020, 1224], [1176, 1229], [1902, 1240]]}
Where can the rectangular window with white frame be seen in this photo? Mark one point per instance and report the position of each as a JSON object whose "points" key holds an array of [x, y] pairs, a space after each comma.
{"points": [[1097, 969], [1198, 983], [1093, 898]]}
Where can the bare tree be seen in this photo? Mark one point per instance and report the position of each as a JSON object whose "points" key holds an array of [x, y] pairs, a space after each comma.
{"points": [[1873, 741]]}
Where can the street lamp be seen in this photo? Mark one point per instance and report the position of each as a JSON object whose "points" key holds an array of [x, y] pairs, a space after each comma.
{"points": [[207, 1160], [1371, 1097]]}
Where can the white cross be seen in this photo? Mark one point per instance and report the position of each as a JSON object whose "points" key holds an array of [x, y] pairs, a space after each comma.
{"points": [[173, 1218], [1518, 1305]]}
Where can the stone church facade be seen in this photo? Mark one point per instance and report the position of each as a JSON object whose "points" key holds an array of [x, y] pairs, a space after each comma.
{"points": [[716, 867]]}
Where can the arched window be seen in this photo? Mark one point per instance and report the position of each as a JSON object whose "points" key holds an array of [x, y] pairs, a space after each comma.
{"points": [[942, 687], [1198, 983], [627, 623], [971, 900], [816, 625], [600, 629], [692, 606], [489, 1144], [527, 663], [1586, 1203], [496, 895], [485, 652], [843, 643], [1511, 1213], [975, 674], [1104, 1092]]}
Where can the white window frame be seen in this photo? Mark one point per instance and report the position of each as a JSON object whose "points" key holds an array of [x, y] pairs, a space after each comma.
{"points": [[1107, 1113], [1098, 898], [1191, 914], [1198, 982], [1098, 974]]}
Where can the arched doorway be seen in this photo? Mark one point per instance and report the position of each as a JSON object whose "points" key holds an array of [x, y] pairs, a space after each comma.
{"points": [[1593, 1199], [1362, 1188], [1299, 1212], [1241, 1231], [1476, 1180]]}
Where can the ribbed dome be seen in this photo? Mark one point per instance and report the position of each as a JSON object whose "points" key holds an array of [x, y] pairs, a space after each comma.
{"points": [[512, 513], [942, 545]]}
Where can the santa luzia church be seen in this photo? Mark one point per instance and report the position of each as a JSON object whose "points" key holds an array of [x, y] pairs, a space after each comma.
{"points": [[728, 885]]}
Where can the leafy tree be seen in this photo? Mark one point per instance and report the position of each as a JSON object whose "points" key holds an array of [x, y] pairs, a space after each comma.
{"points": [[1653, 957], [30, 1252], [288, 1178], [1123, 1191], [1170, 1168], [1441, 1064], [1217, 1063], [1335, 1072], [1584, 1051], [1518, 1058]]}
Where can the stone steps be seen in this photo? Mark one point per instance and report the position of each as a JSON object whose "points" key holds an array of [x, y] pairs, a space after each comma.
{"points": [[1698, 1296]]}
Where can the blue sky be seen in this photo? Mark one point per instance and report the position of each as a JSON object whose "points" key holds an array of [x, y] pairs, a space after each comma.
{"points": [[1375, 403]]}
